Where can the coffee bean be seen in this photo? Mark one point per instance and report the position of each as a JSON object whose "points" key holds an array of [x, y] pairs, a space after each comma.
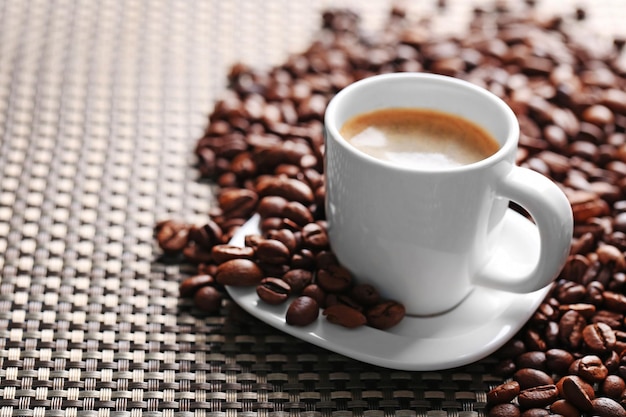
{"points": [[303, 259], [288, 188], [345, 316], [315, 292], [271, 206], [559, 360], [286, 237], [237, 202], [196, 254], [571, 326], [606, 407], [613, 387], [592, 369], [335, 279], [577, 392], [208, 299], [172, 236], [325, 259], [302, 311], [504, 410], [273, 290], [189, 286], [570, 292], [252, 241], [385, 315], [538, 397], [564, 408], [503, 393], [314, 236], [505, 368], [512, 348], [614, 301], [599, 337], [533, 359], [271, 251], [298, 213], [207, 235], [529, 378], [365, 294], [239, 272], [225, 252], [298, 279]]}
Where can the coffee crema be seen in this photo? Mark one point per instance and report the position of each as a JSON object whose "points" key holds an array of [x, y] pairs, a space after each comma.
{"points": [[419, 138]]}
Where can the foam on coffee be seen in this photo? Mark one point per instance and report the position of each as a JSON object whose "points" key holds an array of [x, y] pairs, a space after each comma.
{"points": [[419, 138]]}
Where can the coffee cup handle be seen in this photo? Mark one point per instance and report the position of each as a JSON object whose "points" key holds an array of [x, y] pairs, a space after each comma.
{"points": [[552, 213]]}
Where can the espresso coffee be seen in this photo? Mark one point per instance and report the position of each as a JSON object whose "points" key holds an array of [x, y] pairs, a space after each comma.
{"points": [[419, 138]]}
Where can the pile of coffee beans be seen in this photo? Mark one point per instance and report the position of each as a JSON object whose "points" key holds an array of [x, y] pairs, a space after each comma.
{"points": [[263, 147]]}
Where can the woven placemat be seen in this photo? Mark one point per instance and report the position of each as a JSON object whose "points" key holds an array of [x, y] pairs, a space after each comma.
{"points": [[100, 106]]}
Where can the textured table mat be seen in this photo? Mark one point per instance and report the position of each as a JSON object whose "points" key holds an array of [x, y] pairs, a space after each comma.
{"points": [[100, 106]]}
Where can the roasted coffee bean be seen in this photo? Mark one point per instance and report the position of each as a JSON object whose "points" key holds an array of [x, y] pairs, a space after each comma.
{"points": [[606, 407], [238, 273], [288, 188], [564, 408], [286, 237], [274, 252], [538, 397], [504, 410], [536, 412], [592, 369], [577, 392], [197, 254], [533, 359], [273, 290], [225, 252], [385, 315], [503, 393], [559, 360], [614, 301], [252, 241], [505, 368], [335, 279], [315, 292], [302, 311], [570, 292], [512, 348], [172, 236], [238, 202], [314, 237], [189, 286], [599, 337], [325, 258], [534, 340], [365, 294], [298, 213], [271, 206], [571, 327], [206, 236], [208, 299], [298, 279], [613, 387], [528, 378], [345, 316], [303, 259], [273, 270], [584, 309]]}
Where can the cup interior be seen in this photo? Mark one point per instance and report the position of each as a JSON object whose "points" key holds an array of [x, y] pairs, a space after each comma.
{"points": [[421, 90]]}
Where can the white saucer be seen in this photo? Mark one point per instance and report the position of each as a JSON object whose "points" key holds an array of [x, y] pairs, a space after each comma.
{"points": [[481, 324]]}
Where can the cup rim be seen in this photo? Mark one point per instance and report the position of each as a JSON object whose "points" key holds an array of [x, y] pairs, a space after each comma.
{"points": [[511, 140]]}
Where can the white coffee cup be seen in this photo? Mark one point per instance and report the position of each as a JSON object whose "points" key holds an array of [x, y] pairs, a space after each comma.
{"points": [[426, 238]]}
